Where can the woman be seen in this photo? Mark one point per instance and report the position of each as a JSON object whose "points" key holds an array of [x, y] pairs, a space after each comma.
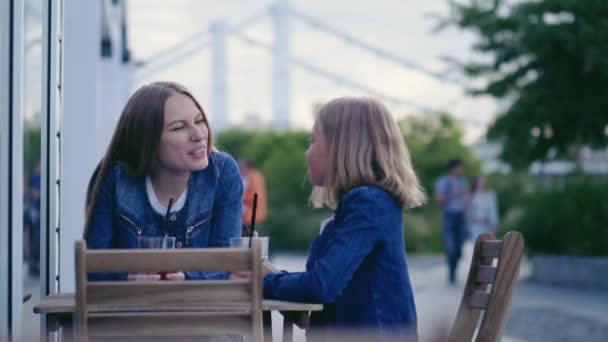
{"points": [[161, 176], [359, 166], [482, 215]]}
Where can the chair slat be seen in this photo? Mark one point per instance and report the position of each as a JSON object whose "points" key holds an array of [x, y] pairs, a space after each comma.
{"points": [[166, 324], [467, 317], [491, 248], [479, 299], [190, 259], [496, 304], [485, 274], [191, 293], [169, 308], [497, 312]]}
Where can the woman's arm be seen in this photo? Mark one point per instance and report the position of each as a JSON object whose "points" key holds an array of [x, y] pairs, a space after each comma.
{"points": [[227, 214], [101, 229]]}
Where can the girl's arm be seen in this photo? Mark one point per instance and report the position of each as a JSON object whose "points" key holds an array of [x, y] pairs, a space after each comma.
{"points": [[352, 241]]}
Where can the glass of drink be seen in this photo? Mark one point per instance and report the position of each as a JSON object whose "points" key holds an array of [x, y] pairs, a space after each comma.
{"points": [[166, 242], [243, 242], [150, 241]]}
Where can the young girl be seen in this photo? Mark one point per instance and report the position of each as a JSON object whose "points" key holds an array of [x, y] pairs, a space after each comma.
{"points": [[360, 166], [161, 176]]}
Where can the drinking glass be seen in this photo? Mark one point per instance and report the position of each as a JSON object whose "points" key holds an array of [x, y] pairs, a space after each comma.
{"points": [[243, 242], [166, 242]]}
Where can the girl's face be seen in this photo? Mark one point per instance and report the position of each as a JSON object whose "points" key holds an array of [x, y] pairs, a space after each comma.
{"points": [[316, 157], [183, 142]]}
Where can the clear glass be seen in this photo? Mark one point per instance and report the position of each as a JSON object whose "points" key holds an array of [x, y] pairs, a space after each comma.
{"points": [[168, 242], [243, 242], [149, 242]]}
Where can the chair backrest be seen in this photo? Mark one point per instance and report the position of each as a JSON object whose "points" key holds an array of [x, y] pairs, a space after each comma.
{"points": [[489, 288], [168, 308]]}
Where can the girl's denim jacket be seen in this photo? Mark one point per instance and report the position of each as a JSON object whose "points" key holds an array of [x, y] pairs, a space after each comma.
{"points": [[211, 216], [357, 268]]}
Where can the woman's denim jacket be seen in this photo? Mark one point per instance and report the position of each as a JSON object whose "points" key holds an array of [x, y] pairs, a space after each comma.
{"points": [[211, 216], [357, 268]]}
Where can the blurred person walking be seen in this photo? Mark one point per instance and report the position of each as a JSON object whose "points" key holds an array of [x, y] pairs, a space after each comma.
{"points": [[452, 196], [482, 215], [253, 182]]}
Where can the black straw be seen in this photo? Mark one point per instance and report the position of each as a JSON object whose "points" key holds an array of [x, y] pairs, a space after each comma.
{"points": [[167, 215], [255, 207]]}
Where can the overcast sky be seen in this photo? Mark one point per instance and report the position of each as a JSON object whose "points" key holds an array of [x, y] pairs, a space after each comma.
{"points": [[401, 27]]}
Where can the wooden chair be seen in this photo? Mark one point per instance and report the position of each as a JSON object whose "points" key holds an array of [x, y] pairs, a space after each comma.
{"points": [[489, 288], [180, 309]]}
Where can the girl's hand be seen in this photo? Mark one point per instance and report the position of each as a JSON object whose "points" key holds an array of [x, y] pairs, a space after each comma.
{"points": [[143, 276], [268, 268]]}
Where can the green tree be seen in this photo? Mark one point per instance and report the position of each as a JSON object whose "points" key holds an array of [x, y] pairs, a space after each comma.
{"points": [[549, 60], [293, 224], [432, 143]]}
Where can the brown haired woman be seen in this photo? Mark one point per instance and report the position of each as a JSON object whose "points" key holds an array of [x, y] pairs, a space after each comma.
{"points": [[161, 176]]}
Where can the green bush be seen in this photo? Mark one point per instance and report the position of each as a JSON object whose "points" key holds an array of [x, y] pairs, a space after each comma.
{"points": [[292, 222], [570, 220], [510, 190], [422, 230]]}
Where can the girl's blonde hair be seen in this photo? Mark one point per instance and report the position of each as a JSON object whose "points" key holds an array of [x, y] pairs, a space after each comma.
{"points": [[365, 147]]}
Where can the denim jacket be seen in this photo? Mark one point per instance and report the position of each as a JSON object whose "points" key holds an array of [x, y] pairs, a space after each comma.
{"points": [[357, 268], [211, 216]]}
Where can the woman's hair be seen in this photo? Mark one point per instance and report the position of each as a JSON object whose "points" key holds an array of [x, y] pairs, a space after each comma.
{"points": [[137, 137], [475, 184], [364, 146]]}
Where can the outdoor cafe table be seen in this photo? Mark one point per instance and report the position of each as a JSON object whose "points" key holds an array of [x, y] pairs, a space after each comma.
{"points": [[59, 310]]}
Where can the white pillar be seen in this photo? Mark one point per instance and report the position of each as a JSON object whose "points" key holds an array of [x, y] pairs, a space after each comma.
{"points": [[81, 44], [219, 112], [49, 156], [280, 66], [11, 168], [5, 86]]}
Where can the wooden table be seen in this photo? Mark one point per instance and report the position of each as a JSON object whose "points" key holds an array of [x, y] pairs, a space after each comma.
{"points": [[59, 310]]}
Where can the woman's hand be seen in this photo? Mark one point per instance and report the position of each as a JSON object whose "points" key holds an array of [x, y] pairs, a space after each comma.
{"points": [[156, 276], [239, 275], [143, 276], [175, 276]]}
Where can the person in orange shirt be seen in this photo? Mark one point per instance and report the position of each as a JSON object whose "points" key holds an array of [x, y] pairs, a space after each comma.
{"points": [[253, 182]]}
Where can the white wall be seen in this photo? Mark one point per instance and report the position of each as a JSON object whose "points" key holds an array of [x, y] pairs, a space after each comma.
{"points": [[114, 81]]}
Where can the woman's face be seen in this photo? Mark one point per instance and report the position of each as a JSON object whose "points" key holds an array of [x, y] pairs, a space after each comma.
{"points": [[316, 157], [481, 184], [183, 142]]}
